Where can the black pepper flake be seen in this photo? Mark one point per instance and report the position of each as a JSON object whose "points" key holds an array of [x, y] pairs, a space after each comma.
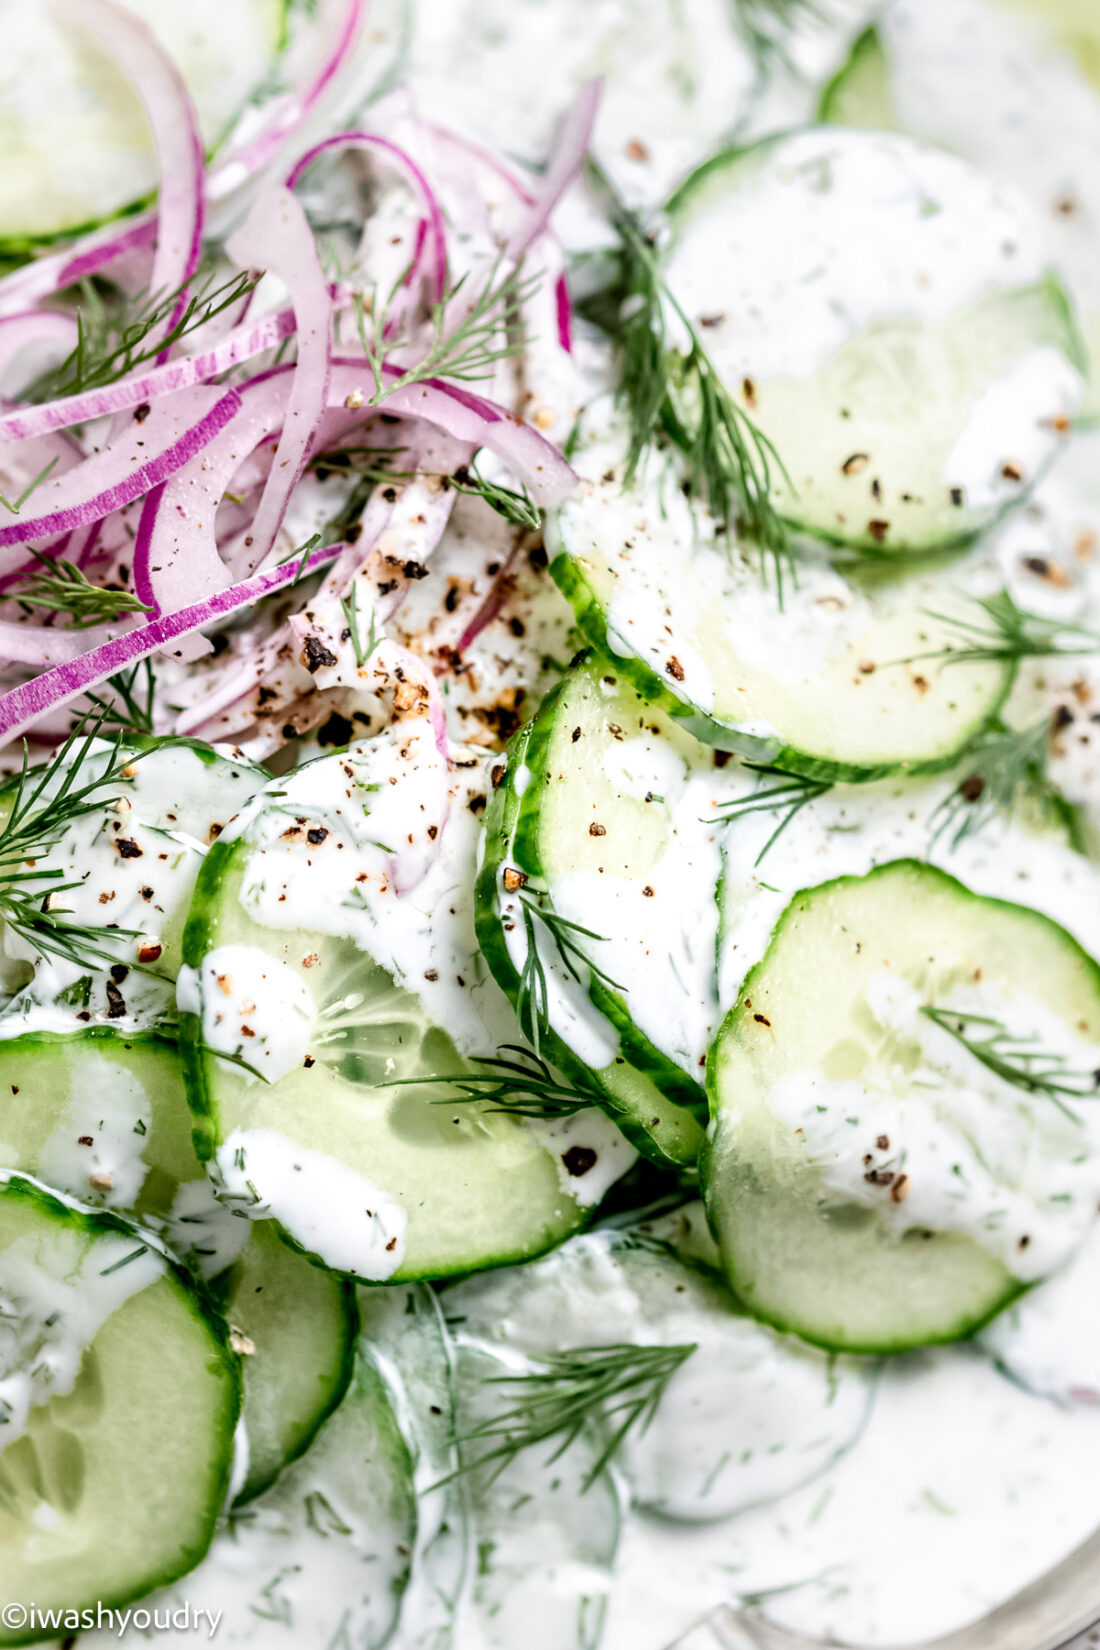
{"points": [[957, 497], [597, 830], [337, 730], [308, 1061], [476, 803], [119, 972], [84, 1140], [116, 1005], [878, 530], [674, 669], [142, 412], [496, 774], [972, 788], [415, 570], [127, 848], [762, 1019], [315, 654], [578, 1160], [316, 835], [722, 759], [1062, 718]]}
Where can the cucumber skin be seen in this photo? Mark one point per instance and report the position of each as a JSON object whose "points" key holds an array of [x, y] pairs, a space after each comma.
{"points": [[511, 831], [866, 46], [876, 1348], [592, 622], [225, 1363]]}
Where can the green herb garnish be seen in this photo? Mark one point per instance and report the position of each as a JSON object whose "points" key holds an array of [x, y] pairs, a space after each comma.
{"points": [[62, 588], [514, 1080], [1016, 1060], [618, 1387], [788, 797], [668, 393]]}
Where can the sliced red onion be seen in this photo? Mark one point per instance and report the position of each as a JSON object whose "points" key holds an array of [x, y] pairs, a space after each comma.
{"points": [[181, 160], [289, 112], [431, 249], [564, 305], [20, 707], [562, 168], [45, 276], [139, 460], [38, 644], [468, 417], [277, 238], [242, 344]]}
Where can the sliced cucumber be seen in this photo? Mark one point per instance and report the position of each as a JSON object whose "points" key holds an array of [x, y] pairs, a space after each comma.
{"points": [[882, 312], [1033, 128], [602, 829], [330, 943], [103, 1117], [750, 1415], [120, 1400], [129, 863], [812, 679], [874, 1185], [74, 136], [296, 1327], [321, 1561]]}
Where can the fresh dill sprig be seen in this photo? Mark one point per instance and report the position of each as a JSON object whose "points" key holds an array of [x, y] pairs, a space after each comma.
{"points": [[14, 506], [37, 820], [1005, 634], [515, 506], [1005, 762], [792, 793], [467, 349], [617, 1387], [130, 714], [766, 26], [533, 993], [63, 588], [350, 607], [518, 1081], [116, 336], [372, 468], [730, 462], [1017, 1060]]}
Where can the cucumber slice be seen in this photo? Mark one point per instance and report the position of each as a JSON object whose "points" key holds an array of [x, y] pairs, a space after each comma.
{"points": [[129, 862], [120, 1399], [810, 679], [749, 1416], [296, 1326], [321, 1561], [103, 1117], [73, 133], [901, 344], [872, 1184], [324, 963], [602, 820], [1033, 128]]}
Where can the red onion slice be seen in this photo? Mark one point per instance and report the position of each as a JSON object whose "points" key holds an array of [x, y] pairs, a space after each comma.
{"points": [[277, 238]]}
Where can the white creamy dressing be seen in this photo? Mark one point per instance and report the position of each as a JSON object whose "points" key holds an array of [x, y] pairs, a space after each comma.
{"points": [[799, 278], [962, 1489], [49, 1317], [326, 1206], [255, 1008], [748, 1416], [128, 863], [111, 1171]]}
